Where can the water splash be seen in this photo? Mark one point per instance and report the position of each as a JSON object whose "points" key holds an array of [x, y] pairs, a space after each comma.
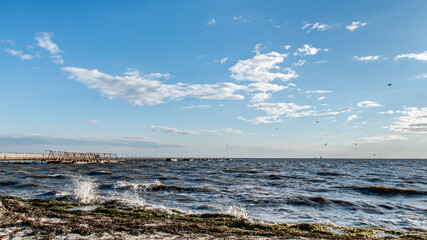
{"points": [[84, 189], [136, 186], [238, 212]]}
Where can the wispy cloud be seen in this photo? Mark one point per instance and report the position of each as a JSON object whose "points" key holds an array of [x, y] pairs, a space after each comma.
{"points": [[383, 138], [368, 104], [299, 63], [44, 41], [241, 19], [318, 91], [8, 41], [147, 89], [387, 112], [367, 58], [355, 25], [414, 120], [211, 22], [321, 98], [422, 76], [222, 60], [20, 54], [308, 27], [196, 107], [418, 56], [262, 68], [92, 121], [194, 132]]}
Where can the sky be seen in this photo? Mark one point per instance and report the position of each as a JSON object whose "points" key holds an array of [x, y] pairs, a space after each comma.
{"points": [[283, 79]]}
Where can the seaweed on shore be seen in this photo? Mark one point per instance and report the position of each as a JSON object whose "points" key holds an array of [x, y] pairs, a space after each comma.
{"points": [[48, 218]]}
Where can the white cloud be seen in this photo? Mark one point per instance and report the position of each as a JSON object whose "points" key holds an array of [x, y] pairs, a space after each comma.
{"points": [[417, 56], [323, 61], [195, 132], [321, 98], [316, 26], [352, 117], [308, 50], [355, 25], [275, 110], [222, 60], [241, 19], [414, 120], [92, 121], [299, 63], [318, 91], [262, 68], [211, 22], [287, 47], [225, 90], [261, 119], [20, 54], [260, 97], [264, 87], [142, 90], [383, 138], [422, 76], [368, 104], [201, 56], [197, 107], [44, 41], [387, 112], [367, 58]]}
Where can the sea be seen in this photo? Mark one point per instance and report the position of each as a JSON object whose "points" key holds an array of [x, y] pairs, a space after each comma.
{"points": [[386, 193]]}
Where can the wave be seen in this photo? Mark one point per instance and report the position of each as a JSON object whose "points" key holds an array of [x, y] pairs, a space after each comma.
{"points": [[319, 201], [386, 191], [158, 186], [327, 173], [8, 183], [96, 173]]}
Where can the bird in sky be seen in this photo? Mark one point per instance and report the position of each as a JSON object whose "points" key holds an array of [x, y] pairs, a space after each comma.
{"points": [[389, 84]]}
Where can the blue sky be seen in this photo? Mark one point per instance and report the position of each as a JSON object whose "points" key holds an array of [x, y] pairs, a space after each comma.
{"points": [[215, 78]]}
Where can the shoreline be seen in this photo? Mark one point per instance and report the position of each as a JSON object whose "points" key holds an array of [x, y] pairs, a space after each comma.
{"points": [[51, 219]]}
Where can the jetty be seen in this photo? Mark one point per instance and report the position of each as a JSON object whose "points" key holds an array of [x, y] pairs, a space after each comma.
{"points": [[64, 157]]}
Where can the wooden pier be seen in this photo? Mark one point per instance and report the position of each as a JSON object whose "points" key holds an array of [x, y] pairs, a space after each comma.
{"points": [[64, 157]]}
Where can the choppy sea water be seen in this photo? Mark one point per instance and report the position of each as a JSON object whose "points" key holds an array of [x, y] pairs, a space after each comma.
{"points": [[345, 192]]}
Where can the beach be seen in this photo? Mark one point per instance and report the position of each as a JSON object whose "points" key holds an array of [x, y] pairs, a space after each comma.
{"points": [[51, 219]]}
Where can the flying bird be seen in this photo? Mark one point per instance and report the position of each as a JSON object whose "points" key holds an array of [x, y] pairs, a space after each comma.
{"points": [[326, 144], [389, 84]]}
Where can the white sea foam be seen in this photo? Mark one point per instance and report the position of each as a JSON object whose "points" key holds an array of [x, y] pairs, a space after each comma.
{"points": [[84, 189], [128, 198], [239, 212], [138, 186]]}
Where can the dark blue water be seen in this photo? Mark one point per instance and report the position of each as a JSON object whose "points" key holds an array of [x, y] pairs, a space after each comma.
{"points": [[344, 192]]}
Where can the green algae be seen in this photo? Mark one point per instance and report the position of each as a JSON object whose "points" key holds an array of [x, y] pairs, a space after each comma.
{"points": [[224, 222]]}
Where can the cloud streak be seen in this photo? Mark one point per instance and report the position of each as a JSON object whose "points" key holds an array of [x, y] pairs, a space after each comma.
{"points": [[194, 132], [47, 140]]}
